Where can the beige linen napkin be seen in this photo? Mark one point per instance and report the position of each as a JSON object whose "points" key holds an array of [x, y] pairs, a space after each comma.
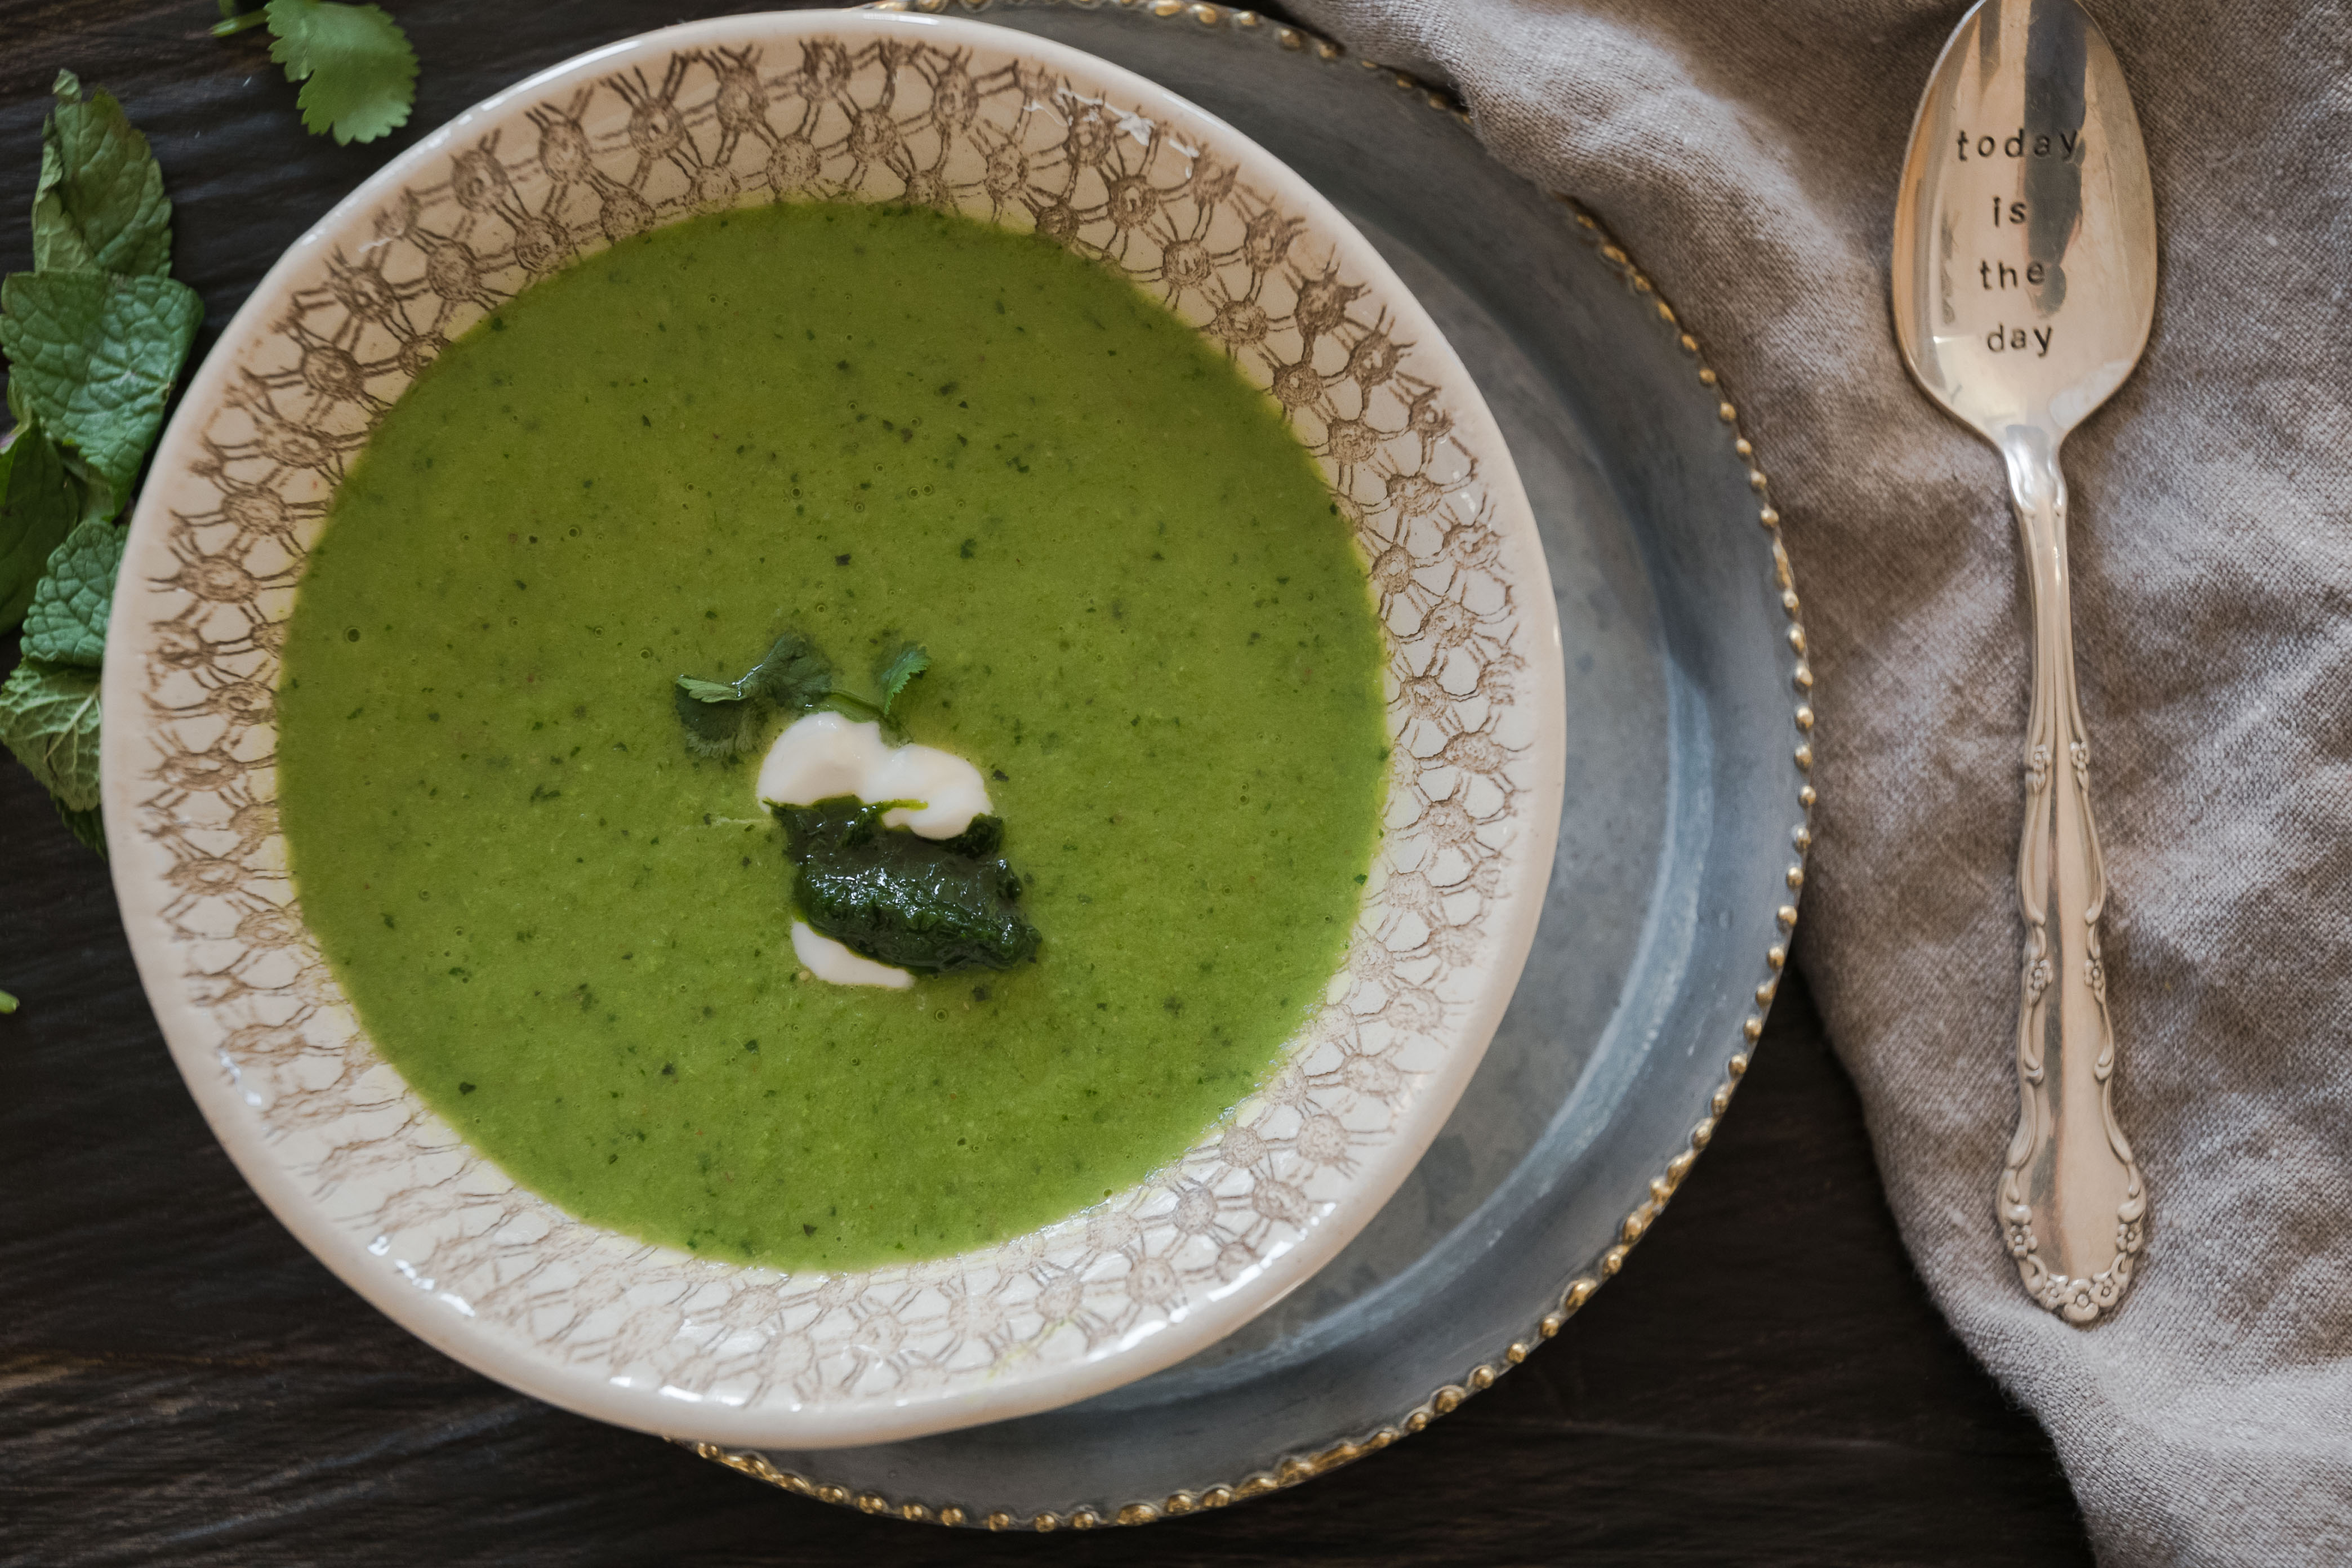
{"points": [[1747, 155]]}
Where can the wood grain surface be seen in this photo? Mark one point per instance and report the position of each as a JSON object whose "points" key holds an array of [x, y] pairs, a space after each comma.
{"points": [[180, 1382]]}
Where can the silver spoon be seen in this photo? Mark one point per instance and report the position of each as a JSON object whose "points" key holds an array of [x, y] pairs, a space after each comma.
{"points": [[2024, 285]]}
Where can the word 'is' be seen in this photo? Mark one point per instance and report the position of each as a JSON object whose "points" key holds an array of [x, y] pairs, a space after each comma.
{"points": [[2019, 145]]}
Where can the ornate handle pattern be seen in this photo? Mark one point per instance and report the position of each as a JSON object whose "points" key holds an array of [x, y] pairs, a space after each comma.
{"points": [[2072, 1205]]}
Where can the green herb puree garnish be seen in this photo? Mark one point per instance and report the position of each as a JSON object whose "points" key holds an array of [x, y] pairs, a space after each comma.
{"points": [[926, 905]]}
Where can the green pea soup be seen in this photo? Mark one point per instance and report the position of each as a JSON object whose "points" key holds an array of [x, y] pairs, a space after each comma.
{"points": [[1148, 625]]}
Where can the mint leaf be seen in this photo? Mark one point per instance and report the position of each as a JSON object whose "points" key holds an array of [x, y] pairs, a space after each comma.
{"points": [[709, 690], [67, 623], [49, 717], [904, 665], [86, 826], [95, 356], [357, 71], [37, 511], [99, 203]]}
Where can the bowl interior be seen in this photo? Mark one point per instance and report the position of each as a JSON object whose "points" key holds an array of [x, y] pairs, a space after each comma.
{"points": [[828, 107]]}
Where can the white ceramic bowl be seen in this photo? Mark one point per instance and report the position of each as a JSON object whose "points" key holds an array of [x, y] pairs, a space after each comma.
{"points": [[845, 107]]}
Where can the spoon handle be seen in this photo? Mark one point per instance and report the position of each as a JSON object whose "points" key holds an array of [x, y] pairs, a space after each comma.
{"points": [[2072, 1205]]}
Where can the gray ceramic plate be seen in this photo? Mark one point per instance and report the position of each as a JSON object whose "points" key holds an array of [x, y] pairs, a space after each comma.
{"points": [[1681, 844]]}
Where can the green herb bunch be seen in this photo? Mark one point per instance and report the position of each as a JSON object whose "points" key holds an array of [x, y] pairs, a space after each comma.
{"points": [[94, 335]]}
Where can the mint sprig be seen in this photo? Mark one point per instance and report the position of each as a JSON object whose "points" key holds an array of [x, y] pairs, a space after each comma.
{"points": [[95, 335]]}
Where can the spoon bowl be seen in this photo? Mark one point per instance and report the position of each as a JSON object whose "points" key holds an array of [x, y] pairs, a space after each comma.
{"points": [[2025, 238]]}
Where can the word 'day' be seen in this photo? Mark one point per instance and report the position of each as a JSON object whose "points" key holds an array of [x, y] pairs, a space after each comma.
{"points": [[2016, 340]]}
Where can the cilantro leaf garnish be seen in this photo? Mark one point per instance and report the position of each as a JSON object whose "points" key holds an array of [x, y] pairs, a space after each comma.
{"points": [[357, 71], [37, 511], [723, 717], [100, 201], [718, 721], [903, 666], [49, 717], [793, 675], [95, 354], [67, 622]]}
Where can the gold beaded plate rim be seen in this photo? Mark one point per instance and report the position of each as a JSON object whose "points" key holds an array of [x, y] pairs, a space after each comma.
{"points": [[1293, 1468], [705, 117]]}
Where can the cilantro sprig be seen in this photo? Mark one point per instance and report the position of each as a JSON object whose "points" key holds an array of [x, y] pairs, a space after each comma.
{"points": [[95, 336], [723, 717], [357, 72]]}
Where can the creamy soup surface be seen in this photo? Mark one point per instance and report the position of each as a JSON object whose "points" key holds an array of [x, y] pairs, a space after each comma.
{"points": [[1149, 627]]}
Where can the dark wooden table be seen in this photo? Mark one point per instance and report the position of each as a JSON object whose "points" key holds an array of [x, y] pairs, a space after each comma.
{"points": [[180, 1382]]}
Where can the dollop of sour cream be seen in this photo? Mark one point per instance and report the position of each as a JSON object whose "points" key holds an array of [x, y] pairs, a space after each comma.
{"points": [[837, 963], [829, 754]]}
